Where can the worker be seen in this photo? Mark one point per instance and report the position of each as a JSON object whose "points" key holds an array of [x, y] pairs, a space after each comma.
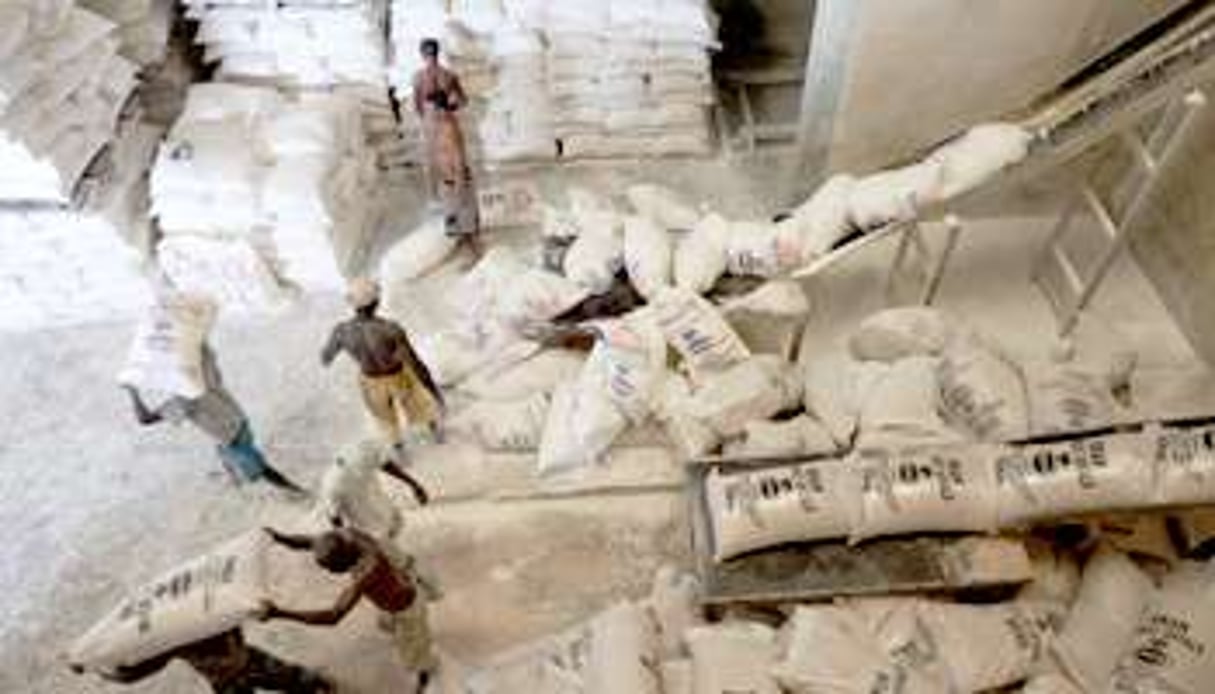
{"points": [[230, 666], [437, 98], [386, 583], [217, 414], [394, 381], [351, 495]]}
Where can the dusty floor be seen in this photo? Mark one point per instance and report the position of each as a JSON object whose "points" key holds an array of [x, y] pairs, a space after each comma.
{"points": [[93, 505]]}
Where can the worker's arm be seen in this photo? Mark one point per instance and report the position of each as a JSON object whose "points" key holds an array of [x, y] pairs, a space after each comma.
{"points": [[296, 542], [419, 492], [143, 414], [332, 347], [342, 607], [418, 101], [457, 91], [127, 674]]}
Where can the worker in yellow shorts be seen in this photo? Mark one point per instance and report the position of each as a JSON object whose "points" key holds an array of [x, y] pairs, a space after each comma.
{"points": [[396, 384]]}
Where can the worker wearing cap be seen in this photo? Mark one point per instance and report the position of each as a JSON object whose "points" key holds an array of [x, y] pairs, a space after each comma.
{"points": [[396, 384]]}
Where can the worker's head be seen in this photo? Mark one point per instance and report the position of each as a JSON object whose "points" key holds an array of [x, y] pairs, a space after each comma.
{"points": [[363, 293], [336, 552], [429, 48]]}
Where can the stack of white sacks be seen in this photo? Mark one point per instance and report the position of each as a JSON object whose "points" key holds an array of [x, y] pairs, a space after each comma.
{"points": [[305, 43], [62, 87], [255, 192], [629, 77], [143, 26]]}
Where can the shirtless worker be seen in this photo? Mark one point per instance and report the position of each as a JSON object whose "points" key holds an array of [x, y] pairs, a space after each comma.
{"points": [[394, 381], [230, 666], [385, 583], [217, 414]]}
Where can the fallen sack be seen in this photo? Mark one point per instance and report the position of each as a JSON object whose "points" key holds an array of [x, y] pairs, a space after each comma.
{"points": [[691, 437], [674, 607], [756, 249], [837, 388], [755, 509], [536, 295], [832, 650], [944, 489], [1063, 399], [801, 435], [623, 652], [582, 423], [694, 328], [199, 599], [982, 393], [700, 256], [745, 392], [775, 298], [1040, 481], [662, 206], [1170, 649], [988, 646], [541, 373], [628, 363], [421, 251], [166, 353], [509, 426], [593, 259], [900, 409], [647, 255], [733, 657], [896, 333], [1113, 593], [980, 153], [1184, 465]]}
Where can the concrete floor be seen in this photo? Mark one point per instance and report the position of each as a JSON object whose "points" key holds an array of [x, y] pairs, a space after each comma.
{"points": [[94, 506]]}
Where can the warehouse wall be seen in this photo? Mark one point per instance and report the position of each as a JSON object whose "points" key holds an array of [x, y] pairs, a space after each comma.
{"points": [[1175, 242], [889, 77]]}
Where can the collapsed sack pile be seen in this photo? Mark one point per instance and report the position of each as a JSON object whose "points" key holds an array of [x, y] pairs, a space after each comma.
{"points": [[254, 191], [143, 26], [62, 89]]}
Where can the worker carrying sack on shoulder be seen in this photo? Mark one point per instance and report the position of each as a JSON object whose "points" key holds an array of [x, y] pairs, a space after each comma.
{"points": [[197, 600], [166, 353]]}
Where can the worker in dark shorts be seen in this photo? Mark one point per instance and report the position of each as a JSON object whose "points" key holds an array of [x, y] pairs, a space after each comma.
{"points": [[395, 383], [230, 666], [380, 576], [217, 414]]}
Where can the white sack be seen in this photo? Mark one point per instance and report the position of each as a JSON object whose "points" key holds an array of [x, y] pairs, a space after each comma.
{"points": [[745, 392], [836, 389], [982, 152], [896, 333], [700, 256], [536, 295], [822, 220], [933, 490], [1063, 399], [801, 435], [509, 426], [895, 195], [1170, 650], [1184, 465], [1058, 479], [1056, 574], [832, 651], [988, 646], [201, 598], [582, 423], [662, 206], [1113, 593], [165, 357], [733, 657], [756, 249], [754, 509], [900, 409], [647, 255], [424, 249], [628, 363], [623, 652], [691, 436], [593, 260], [982, 393], [695, 329]]}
